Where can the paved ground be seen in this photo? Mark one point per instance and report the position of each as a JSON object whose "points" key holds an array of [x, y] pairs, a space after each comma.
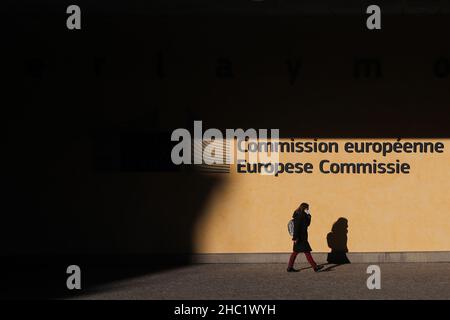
{"points": [[271, 281]]}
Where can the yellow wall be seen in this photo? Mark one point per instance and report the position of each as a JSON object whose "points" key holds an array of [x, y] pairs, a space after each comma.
{"points": [[249, 212]]}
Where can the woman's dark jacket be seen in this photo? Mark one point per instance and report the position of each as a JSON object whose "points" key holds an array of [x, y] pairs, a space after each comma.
{"points": [[301, 222]]}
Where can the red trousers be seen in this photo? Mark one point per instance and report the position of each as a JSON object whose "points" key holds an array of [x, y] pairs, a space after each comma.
{"points": [[308, 257]]}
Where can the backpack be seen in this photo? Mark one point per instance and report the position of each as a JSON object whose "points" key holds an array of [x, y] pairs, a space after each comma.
{"points": [[291, 227]]}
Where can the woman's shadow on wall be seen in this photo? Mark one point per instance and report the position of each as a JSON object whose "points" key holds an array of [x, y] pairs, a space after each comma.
{"points": [[337, 242]]}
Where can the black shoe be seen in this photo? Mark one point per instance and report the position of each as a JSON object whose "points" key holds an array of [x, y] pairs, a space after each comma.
{"points": [[292, 270], [318, 268]]}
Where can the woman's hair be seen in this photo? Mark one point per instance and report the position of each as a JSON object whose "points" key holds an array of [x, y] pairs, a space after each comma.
{"points": [[301, 208]]}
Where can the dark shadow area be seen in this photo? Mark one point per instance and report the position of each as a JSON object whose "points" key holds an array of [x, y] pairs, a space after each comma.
{"points": [[43, 276], [337, 242], [86, 162], [114, 217]]}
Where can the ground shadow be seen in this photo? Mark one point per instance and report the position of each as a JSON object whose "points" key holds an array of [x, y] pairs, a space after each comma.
{"points": [[337, 242], [330, 267], [327, 267]]}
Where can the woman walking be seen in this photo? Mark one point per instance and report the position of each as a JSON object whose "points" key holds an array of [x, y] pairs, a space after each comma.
{"points": [[302, 220]]}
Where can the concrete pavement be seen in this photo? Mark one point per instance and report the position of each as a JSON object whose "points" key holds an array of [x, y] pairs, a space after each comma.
{"points": [[271, 281]]}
